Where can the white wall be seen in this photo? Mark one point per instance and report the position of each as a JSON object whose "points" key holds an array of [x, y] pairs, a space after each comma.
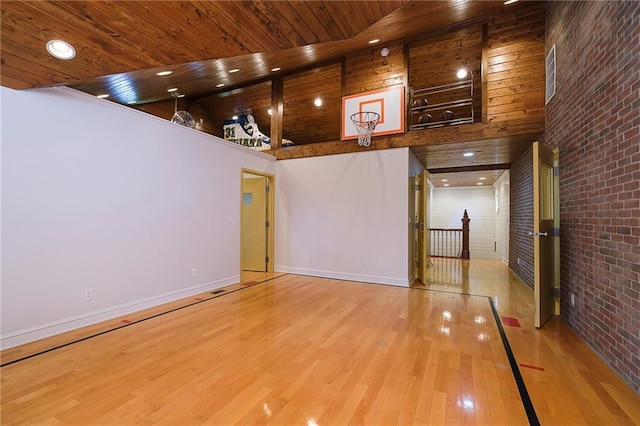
{"points": [[97, 195], [334, 211], [415, 167], [501, 189], [448, 205]]}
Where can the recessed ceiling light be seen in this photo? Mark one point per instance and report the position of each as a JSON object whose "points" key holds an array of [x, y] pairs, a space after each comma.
{"points": [[61, 49], [446, 184], [269, 111], [220, 85], [510, 1], [462, 73], [445, 180], [275, 69], [482, 178], [317, 102], [173, 89], [468, 154], [374, 41], [234, 70], [479, 183], [103, 96], [161, 73], [181, 95]]}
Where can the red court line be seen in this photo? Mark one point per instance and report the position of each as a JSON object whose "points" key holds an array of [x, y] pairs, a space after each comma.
{"points": [[510, 321], [533, 367]]}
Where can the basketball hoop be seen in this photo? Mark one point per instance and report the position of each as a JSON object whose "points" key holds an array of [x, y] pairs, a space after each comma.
{"points": [[365, 122]]}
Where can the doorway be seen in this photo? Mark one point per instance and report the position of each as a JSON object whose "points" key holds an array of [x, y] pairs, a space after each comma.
{"points": [[544, 211], [422, 259], [256, 230]]}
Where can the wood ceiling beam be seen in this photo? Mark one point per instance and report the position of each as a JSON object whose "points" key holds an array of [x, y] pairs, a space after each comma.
{"points": [[477, 168], [530, 128]]}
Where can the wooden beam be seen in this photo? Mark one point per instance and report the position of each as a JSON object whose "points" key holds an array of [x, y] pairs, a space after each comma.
{"points": [[484, 69], [478, 168], [532, 127], [277, 110], [405, 81]]}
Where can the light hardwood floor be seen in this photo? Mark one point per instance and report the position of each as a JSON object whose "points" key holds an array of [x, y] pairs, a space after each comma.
{"points": [[303, 350]]}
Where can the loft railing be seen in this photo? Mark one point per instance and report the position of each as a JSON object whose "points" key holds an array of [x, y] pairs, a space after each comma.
{"points": [[450, 242], [445, 242]]}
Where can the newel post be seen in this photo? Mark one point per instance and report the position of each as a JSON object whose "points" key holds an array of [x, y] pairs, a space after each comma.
{"points": [[465, 235]]}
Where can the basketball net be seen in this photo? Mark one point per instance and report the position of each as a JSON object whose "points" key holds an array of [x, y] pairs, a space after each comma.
{"points": [[365, 122]]}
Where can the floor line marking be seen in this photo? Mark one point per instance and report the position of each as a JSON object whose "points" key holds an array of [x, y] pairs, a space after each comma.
{"points": [[533, 367], [522, 387], [510, 321], [129, 323]]}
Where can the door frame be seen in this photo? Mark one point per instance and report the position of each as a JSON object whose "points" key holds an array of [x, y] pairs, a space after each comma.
{"points": [[421, 248], [544, 244], [556, 227], [270, 179]]}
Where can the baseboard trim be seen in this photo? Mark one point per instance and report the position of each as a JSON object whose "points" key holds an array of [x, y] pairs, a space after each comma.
{"points": [[32, 334], [374, 279]]}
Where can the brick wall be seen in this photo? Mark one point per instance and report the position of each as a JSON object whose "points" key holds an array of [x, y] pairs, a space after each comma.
{"points": [[521, 217], [594, 120]]}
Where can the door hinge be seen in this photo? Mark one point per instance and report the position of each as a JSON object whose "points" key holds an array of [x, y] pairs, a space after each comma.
{"points": [[267, 188], [266, 224], [416, 187], [266, 259]]}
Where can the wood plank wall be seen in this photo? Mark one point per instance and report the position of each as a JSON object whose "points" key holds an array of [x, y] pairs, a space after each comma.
{"points": [[435, 62], [516, 75], [303, 122], [162, 109], [254, 100], [513, 65], [368, 70], [166, 109]]}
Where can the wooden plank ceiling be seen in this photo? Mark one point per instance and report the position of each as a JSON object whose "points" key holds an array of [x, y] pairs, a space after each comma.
{"points": [[449, 166], [122, 45]]}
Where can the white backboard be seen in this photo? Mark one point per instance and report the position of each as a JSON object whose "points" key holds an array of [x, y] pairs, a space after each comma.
{"points": [[388, 102]]}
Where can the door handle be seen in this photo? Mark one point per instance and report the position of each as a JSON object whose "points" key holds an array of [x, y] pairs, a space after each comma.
{"points": [[538, 234]]}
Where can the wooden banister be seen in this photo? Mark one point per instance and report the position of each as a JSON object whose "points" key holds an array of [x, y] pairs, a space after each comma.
{"points": [[465, 235], [450, 242]]}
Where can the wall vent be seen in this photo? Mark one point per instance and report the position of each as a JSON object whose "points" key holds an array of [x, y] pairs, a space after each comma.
{"points": [[550, 68]]}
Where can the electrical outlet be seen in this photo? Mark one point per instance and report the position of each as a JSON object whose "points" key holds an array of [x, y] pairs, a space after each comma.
{"points": [[88, 294], [572, 299], [194, 273]]}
